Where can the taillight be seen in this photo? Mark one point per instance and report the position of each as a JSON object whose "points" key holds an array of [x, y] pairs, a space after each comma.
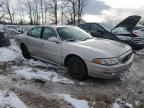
{"points": [[134, 34]]}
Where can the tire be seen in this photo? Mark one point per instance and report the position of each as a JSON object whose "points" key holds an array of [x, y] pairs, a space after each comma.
{"points": [[77, 68], [25, 52]]}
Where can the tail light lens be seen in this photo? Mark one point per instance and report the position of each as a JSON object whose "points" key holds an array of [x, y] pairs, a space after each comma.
{"points": [[134, 34]]}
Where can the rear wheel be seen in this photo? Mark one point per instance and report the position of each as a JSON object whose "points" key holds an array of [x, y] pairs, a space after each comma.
{"points": [[25, 52], [77, 68]]}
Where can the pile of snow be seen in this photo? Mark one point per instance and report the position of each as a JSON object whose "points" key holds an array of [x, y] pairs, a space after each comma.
{"points": [[7, 54], [10, 100], [30, 73], [74, 102], [121, 103], [14, 46], [32, 62]]}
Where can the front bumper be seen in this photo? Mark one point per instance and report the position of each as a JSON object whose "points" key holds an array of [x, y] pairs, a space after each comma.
{"points": [[108, 72]]}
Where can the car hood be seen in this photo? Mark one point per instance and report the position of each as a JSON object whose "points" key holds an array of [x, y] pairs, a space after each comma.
{"points": [[129, 23], [104, 46]]}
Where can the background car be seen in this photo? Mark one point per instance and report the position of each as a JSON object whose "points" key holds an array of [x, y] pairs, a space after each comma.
{"points": [[11, 31], [121, 32], [75, 49], [23, 28]]}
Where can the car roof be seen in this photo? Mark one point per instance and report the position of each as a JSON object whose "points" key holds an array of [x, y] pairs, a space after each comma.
{"points": [[89, 23], [53, 26]]}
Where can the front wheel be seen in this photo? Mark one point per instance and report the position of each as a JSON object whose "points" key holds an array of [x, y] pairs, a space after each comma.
{"points": [[25, 52], [77, 68]]}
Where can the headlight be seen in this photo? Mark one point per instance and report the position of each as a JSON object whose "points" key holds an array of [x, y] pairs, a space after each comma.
{"points": [[111, 61]]}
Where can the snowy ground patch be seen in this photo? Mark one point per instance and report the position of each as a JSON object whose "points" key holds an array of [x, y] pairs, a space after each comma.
{"points": [[74, 102], [121, 103], [7, 54], [32, 62], [10, 100], [29, 73]]}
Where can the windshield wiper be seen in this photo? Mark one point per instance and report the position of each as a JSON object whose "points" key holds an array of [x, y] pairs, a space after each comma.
{"points": [[87, 38], [70, 40]]}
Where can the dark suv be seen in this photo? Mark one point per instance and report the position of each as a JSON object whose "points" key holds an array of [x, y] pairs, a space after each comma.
{"points": [[121, 32]]}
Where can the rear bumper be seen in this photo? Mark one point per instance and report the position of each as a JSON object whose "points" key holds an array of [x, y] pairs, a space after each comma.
{"points": [[108, 72]]}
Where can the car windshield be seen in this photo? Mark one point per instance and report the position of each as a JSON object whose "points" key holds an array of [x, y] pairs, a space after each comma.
{"points": [[73, 33]]}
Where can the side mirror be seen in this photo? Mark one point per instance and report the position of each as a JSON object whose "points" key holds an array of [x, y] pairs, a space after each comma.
{"points": [[54, 39]]}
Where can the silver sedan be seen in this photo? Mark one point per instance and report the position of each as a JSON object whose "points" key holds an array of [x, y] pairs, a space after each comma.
{"points": [[75, 49]]}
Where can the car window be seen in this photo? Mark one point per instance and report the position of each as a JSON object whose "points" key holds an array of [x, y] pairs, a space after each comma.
{"points": [[96, 27], [48, 32], [84, 26], [35, 32]]}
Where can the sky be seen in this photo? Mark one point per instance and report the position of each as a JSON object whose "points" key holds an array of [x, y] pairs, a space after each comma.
{"points": [[112, 10]]}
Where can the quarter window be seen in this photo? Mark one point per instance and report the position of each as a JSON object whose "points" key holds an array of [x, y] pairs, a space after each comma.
{"points": [[48, 32], [35, 32]]}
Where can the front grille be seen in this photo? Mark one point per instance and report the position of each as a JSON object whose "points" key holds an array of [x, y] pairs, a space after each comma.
{"points": [[126, 58]]}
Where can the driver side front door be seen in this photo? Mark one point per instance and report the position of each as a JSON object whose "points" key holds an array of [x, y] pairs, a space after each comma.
{"points": [[50, 50]]}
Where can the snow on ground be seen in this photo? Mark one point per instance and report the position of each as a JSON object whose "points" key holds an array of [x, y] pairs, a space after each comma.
{"points": [[14, 46], [121, 103], [13, 52], [32, 62], [29, 74], [10, 100], [7, 55], [74, 102]]}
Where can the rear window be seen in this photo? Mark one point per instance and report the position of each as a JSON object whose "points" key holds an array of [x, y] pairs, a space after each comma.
{"points": [[84, 26], [120, 30]]}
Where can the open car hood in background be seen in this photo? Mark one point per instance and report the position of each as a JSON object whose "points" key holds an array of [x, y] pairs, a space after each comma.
{"points": [[129, 23]]}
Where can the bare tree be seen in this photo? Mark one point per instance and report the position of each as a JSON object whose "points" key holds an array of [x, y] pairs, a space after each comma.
{"points": [[36, 11], [81, 6], [20, 11], [29, 10], [7, 9], [45, 12], [42, 11], [79, 11], [73, 11], [2, 14], [42, 14], [73, 3], [53, 10]]}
